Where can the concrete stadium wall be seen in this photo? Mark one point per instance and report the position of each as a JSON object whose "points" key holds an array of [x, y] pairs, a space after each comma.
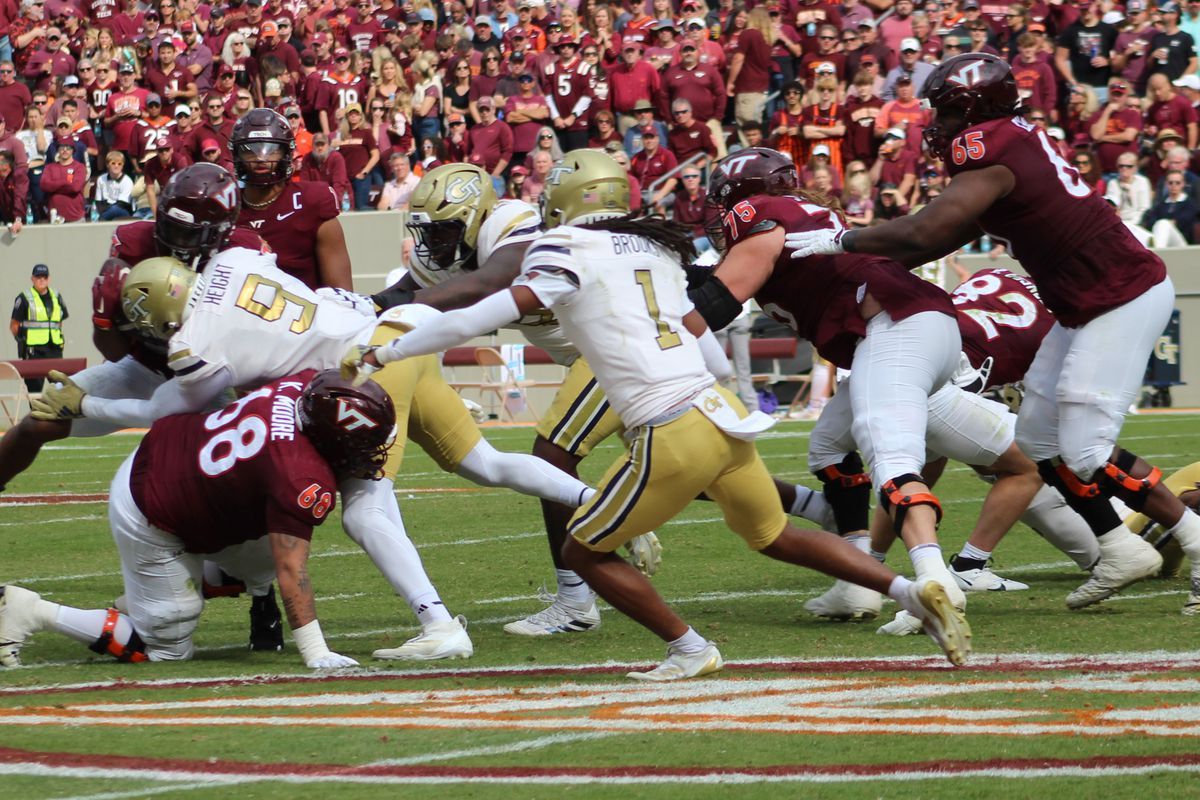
{"points": [[74, 254]]}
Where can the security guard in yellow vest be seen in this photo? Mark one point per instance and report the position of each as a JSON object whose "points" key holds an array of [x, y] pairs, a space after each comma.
{"points": [[37, 319]]}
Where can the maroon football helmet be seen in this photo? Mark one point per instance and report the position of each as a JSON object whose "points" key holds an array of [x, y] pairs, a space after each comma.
{"points": [[967, 90], [754, 170], [263, 146], [196, 213], [351, 426]]}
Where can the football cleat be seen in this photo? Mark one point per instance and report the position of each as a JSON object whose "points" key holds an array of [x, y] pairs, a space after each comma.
{"points": [[439, 640], [846, 601], [903, 624], [266, 624], [645, 553], [17, 622], [1124, 559], [984, 580], [679, 666], [945, 624], [559, 617]]}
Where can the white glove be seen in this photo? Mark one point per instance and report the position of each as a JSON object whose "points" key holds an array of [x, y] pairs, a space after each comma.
{"points": [[477, 412], [360, 303], [331, 660], [354, 369], [815, 243], [645, 553]]}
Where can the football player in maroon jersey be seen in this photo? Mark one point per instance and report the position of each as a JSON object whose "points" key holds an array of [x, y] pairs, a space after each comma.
{"points": [[297, 219], [897, 333], [1111, 296], [242, 486]]}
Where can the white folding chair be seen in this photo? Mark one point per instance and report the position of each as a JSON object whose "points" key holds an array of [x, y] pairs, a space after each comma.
{"points": [[12, 395]]}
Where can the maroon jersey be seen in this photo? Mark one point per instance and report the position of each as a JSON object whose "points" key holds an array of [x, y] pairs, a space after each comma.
{"points": [[818, 297], [131, 243], [219, 479], [289, 225], [566, 86], [336, 92], [1001, 318], [163, 82], [1074, 247]]}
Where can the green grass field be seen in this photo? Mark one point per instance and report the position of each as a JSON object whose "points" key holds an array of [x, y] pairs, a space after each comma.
{"points": [[1103, 702]]}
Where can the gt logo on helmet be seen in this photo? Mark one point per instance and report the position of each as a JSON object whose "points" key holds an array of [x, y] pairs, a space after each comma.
{"points": [[462, 188]]}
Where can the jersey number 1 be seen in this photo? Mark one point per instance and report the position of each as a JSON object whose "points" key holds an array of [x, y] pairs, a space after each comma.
{"points": [[666, 338]]}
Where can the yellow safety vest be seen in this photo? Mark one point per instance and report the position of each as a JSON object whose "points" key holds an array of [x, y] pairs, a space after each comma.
{"points": [[43, 327]]}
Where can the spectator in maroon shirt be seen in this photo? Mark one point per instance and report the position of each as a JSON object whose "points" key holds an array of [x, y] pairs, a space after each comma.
{"points": [[526, 113], [688, 208], [688, 137], [701, 86], [165, 77], [326, 165], [896, 165], [14, 187], [633, 81], [215, 126], [270, 44], [491, 143], [651, 163], [861, 108], [1114, 129], [750, 68], [360, 152], [62, 185], [1169, 109], [27, 32], [210, 151], [125, 107], [128, 26], [14, 96], [605, 125], [50, 61]]}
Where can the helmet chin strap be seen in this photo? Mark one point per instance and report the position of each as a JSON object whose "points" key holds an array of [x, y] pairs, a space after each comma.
{"points": [[587, 219]]}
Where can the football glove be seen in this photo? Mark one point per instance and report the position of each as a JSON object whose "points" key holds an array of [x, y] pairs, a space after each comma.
{"points": [[824, 242], [645, 553], [354, 369], [330, 660], [477, 412], [62, 399]]}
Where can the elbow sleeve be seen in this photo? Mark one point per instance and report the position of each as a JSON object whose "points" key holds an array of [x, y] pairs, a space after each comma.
{"points": [[715, 303]]}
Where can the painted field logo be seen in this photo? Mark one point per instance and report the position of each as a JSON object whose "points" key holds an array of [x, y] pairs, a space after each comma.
{"points": [[1109, 704]]}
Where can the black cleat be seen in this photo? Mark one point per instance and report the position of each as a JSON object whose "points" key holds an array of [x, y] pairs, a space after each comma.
{"points": [[266, 624]]}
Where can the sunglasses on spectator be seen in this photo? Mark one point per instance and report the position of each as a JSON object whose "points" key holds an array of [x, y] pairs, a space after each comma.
{"points": [[593, 53], [492, 58], [1083, 162], [456, 124], [849, 38], [1126, 166], [691, 177], [858, 172], [7, 71], [679, 112], [243, 97], [828, 38], [546, 136], [1037, 119], [377, 108]]}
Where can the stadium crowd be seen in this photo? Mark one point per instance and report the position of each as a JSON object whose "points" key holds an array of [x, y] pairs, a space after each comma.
{"points": [[102, 100]]}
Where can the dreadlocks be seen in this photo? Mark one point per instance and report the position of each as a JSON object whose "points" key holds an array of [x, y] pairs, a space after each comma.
{"points": [[663, 232]]}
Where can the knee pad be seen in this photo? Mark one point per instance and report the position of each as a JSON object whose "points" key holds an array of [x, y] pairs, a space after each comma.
{"points": [[1086, 499], [891, 497], [1114, 479], [847, 488], [132, 651]]}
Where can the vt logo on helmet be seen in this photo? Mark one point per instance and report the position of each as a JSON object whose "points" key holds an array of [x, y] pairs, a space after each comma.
{"points": [[967, 90]]}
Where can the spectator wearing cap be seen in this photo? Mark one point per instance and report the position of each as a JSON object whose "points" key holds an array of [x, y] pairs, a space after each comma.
{"points": [[896, 164], [1114, 130], [153, 123], [910, 65], [750, 68], [516, 182], [1131, 192], [689, 206], [568, 90], [534, 35], [72, 89], [1035, 80], [14, 96], [49, 62], [124, 109], [1083, 51], [114, 189], [1170, 110], [396, 192], [270, 45], [897, 26], [906, 113], [1172, 51], [128, 26], [485, 34], [871, 45], [1132, 47], [163, 159], [689, 137], [364, 32], [650, 164], [824, 61], [214, 125], [526, 113], [77, 128], [225, 86], [326, 165], [709, 51], [861, 109], [62, 185], [360, 151], [980, 37], [643, 112], [302, 135], [490, 143], [197, 57], [341, 87], [701, 87], [809, 16], [165, 77], [634, 83]]}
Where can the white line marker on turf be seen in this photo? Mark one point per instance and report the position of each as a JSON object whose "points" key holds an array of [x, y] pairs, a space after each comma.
{"points": [[495, 750]]}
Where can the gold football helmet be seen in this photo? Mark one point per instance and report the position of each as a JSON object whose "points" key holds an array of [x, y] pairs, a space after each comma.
{"points": [[445, 213], [155, 294], [587, 186]]}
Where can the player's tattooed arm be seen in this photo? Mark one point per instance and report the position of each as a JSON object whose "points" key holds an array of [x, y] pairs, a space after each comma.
{"points": [[469, 288], [291, 570]]}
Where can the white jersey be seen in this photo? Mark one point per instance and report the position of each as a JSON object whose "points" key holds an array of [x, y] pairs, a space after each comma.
{"points": [[621, 299], [511, 222], [247, 315]]}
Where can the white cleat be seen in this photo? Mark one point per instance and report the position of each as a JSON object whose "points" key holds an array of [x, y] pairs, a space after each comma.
{"points": [[1124, 559], [559, 617], [903, 624], [1192, 607], [17, 622], [984, 580], [679, 666], [846, 601], [439, 640], [645, 553], [945, 624]]}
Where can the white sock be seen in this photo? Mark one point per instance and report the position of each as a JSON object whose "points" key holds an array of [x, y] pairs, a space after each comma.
{"points": [[86, 625], [861, 542], [372, 519], [877, 555], [572, 588], [526, 474], [974, 553], [1187, 533], [809, 504], [690, 643], [901, 591], [927, 560], [1056, 522]]}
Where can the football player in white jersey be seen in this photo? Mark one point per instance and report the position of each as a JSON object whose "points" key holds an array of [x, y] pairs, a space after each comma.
{"points": [[470, 246], [618, 289], [245, 322]]}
